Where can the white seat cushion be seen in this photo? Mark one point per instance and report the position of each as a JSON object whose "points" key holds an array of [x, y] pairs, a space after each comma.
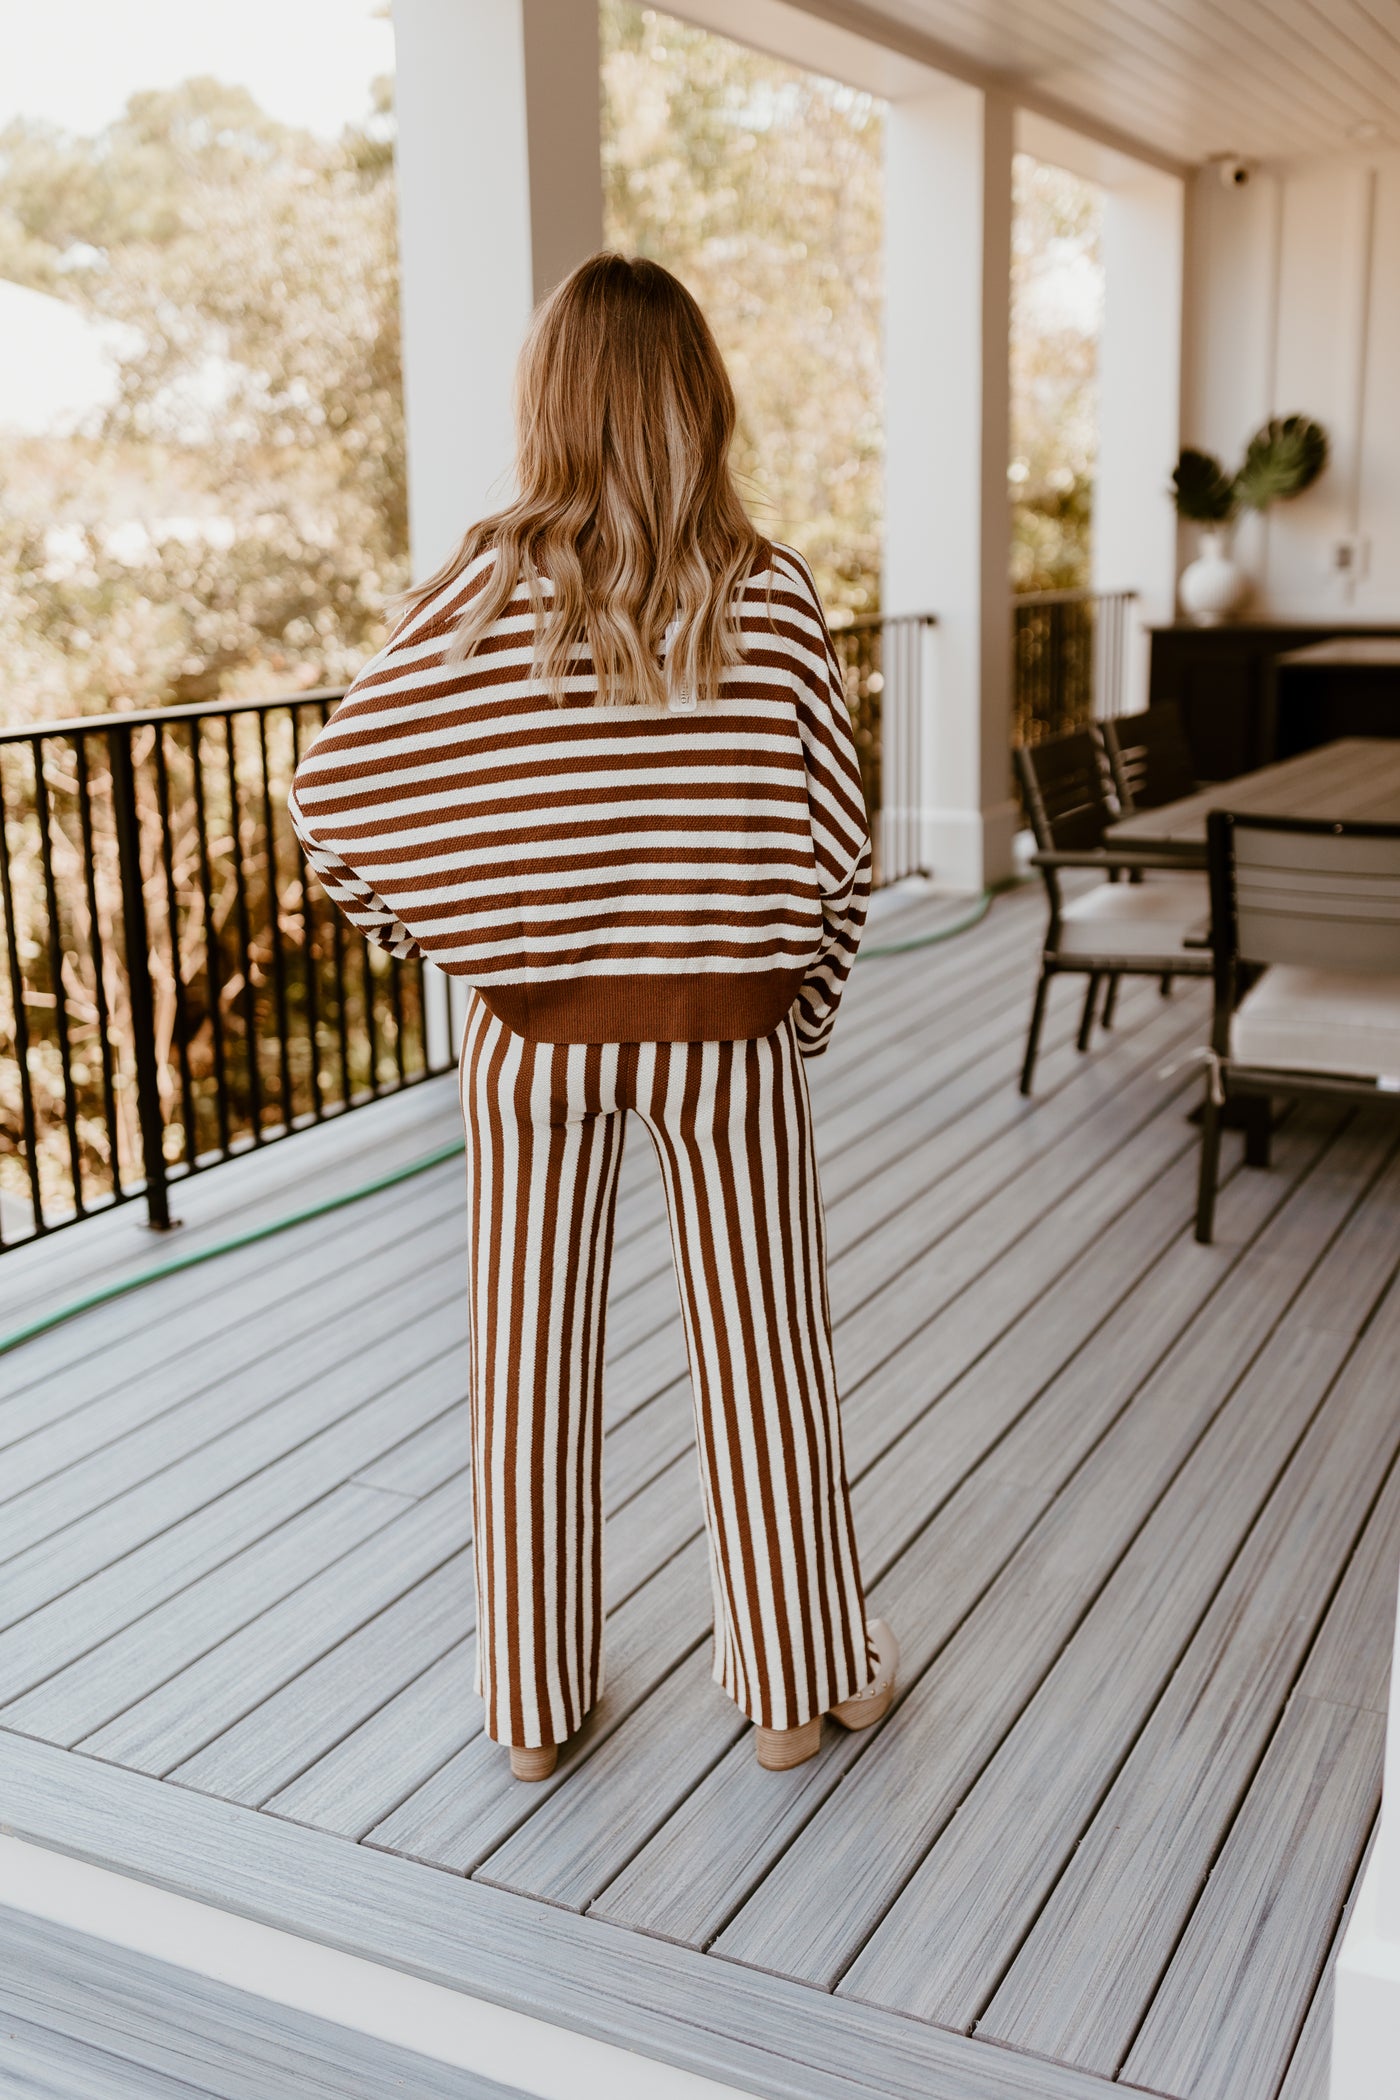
{"points": [[1320, 1021], [1136, 919]]}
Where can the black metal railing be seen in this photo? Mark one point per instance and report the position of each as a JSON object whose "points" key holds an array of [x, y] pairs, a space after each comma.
{"points": [[886, 664], [176, 993], [1069, 655]]}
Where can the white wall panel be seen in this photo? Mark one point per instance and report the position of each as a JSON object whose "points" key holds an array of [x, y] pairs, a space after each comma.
{"points": [[1321, 314], [1378, 590], [1294, 307]]}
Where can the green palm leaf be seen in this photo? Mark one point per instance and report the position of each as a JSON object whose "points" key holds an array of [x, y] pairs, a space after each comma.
{"points": [[1284, 457], [1201, 489]]}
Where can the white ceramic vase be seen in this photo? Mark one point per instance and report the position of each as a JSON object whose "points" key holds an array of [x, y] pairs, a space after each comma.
{"points": [[1214, 585]]}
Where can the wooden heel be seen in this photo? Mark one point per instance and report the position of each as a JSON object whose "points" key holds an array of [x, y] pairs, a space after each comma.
{"points": [[534, 1764], [779, 1749]]}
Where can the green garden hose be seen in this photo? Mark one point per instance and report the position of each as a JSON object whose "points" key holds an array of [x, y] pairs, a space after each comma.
{"points": [[33, 1328], [192, 1260]]}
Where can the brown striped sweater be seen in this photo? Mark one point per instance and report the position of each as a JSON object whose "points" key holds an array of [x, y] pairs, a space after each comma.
{"points": [[602, 874]]}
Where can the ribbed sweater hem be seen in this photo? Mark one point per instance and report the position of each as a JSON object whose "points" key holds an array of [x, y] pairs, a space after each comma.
{"points": [[707, 1007]]}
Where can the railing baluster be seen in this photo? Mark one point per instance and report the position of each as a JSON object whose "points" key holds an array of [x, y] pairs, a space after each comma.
{"points": [[58, 989], [213, 965], [1068, 660], [99, 966], [308, 944], [371, 1017], [248, 996], [396, 1009], [138, 976], [342, 1021], [28, 1120], [882, 665], [274, 920], [172, 914]]}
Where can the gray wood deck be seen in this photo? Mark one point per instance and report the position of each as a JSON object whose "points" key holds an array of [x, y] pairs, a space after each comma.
{"points": [[1131, 1503], [84, 2020]]}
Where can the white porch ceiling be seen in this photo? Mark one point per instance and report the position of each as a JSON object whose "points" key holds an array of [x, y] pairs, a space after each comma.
{"points": [[1265, 79]]}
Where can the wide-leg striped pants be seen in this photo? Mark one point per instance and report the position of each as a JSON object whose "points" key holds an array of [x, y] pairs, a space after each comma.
{"points": [[732, 1130]]}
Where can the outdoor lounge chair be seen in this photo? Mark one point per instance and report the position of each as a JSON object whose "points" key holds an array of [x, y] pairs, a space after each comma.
{"points": [[1316, 903], [1135, 928], [1149, 757]]}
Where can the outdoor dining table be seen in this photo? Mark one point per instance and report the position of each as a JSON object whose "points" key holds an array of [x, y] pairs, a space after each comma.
{"points": [[1357, 778]]}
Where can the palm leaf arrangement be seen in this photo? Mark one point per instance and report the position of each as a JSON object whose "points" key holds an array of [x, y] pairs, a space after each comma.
{"points": [[1284, 457]]}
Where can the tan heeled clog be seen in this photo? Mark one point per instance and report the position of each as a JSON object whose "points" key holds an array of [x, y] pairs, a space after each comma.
{"points": [[779, 1749]]}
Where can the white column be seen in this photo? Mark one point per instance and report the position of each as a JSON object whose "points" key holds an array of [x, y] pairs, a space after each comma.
{"points": [[947, 325], [499, 195], [1139, 385]]}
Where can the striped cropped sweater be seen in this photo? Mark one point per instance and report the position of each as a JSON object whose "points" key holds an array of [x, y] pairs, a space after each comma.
{"points": [[602, 873]]}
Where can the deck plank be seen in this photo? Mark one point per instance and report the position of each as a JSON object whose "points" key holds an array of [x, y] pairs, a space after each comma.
{"points": [[188, 1319], [928, 1590], [167, 1730], [118, 1437], [1310, 2066], [1287, 1867], [261, 1186], [126, 2016], [1226, 2015], [471, 1804], [1139, 1395], [76, 1699], [710, 1855], [95, 1497], [162, 1561], [945, 1944], [1088, 1970], [42, 2063], [897, 1515], [753, 2032], [994, 1152], [290, 1729]]}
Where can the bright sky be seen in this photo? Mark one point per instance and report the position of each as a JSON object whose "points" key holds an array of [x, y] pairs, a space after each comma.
{"points": [[306, 61]]}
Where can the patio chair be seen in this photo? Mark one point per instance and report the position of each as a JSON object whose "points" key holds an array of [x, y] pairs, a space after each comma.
{"points": [[1306, 930], [1149, 757], [1118, 928]]}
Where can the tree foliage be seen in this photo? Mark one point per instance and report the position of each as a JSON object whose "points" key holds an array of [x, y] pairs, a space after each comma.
{"points": [[1056, 295], [760, 186], [233, 521]]}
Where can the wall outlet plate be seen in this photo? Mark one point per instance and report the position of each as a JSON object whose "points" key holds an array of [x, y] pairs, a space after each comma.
{"points": [[1349, 555]]}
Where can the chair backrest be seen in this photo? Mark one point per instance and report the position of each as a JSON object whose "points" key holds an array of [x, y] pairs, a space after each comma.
{"points": [[1308, 892], [1150, 757], [1066, 792]]}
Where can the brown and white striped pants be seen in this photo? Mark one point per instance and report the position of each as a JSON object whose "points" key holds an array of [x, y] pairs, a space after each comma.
{"points": [[732, 1129]]}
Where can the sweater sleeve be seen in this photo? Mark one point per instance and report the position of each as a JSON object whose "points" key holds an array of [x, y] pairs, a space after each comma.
{"points": [[365, 910], [840, 827], [362, 906], [420, 628]]}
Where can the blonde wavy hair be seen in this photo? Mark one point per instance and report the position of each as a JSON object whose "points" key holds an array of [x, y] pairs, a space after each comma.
{"points": [[624, 416]]}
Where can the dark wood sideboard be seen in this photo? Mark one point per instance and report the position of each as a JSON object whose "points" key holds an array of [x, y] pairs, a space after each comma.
{"points": [[1225, 682]]}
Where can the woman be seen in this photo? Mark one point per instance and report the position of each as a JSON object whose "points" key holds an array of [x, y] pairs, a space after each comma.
{"points": [[603, 771]]}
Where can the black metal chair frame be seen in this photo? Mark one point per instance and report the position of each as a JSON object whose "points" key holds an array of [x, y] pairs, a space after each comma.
{"points": [[1227, 1081], [1158, 734], [1113, 861]]}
